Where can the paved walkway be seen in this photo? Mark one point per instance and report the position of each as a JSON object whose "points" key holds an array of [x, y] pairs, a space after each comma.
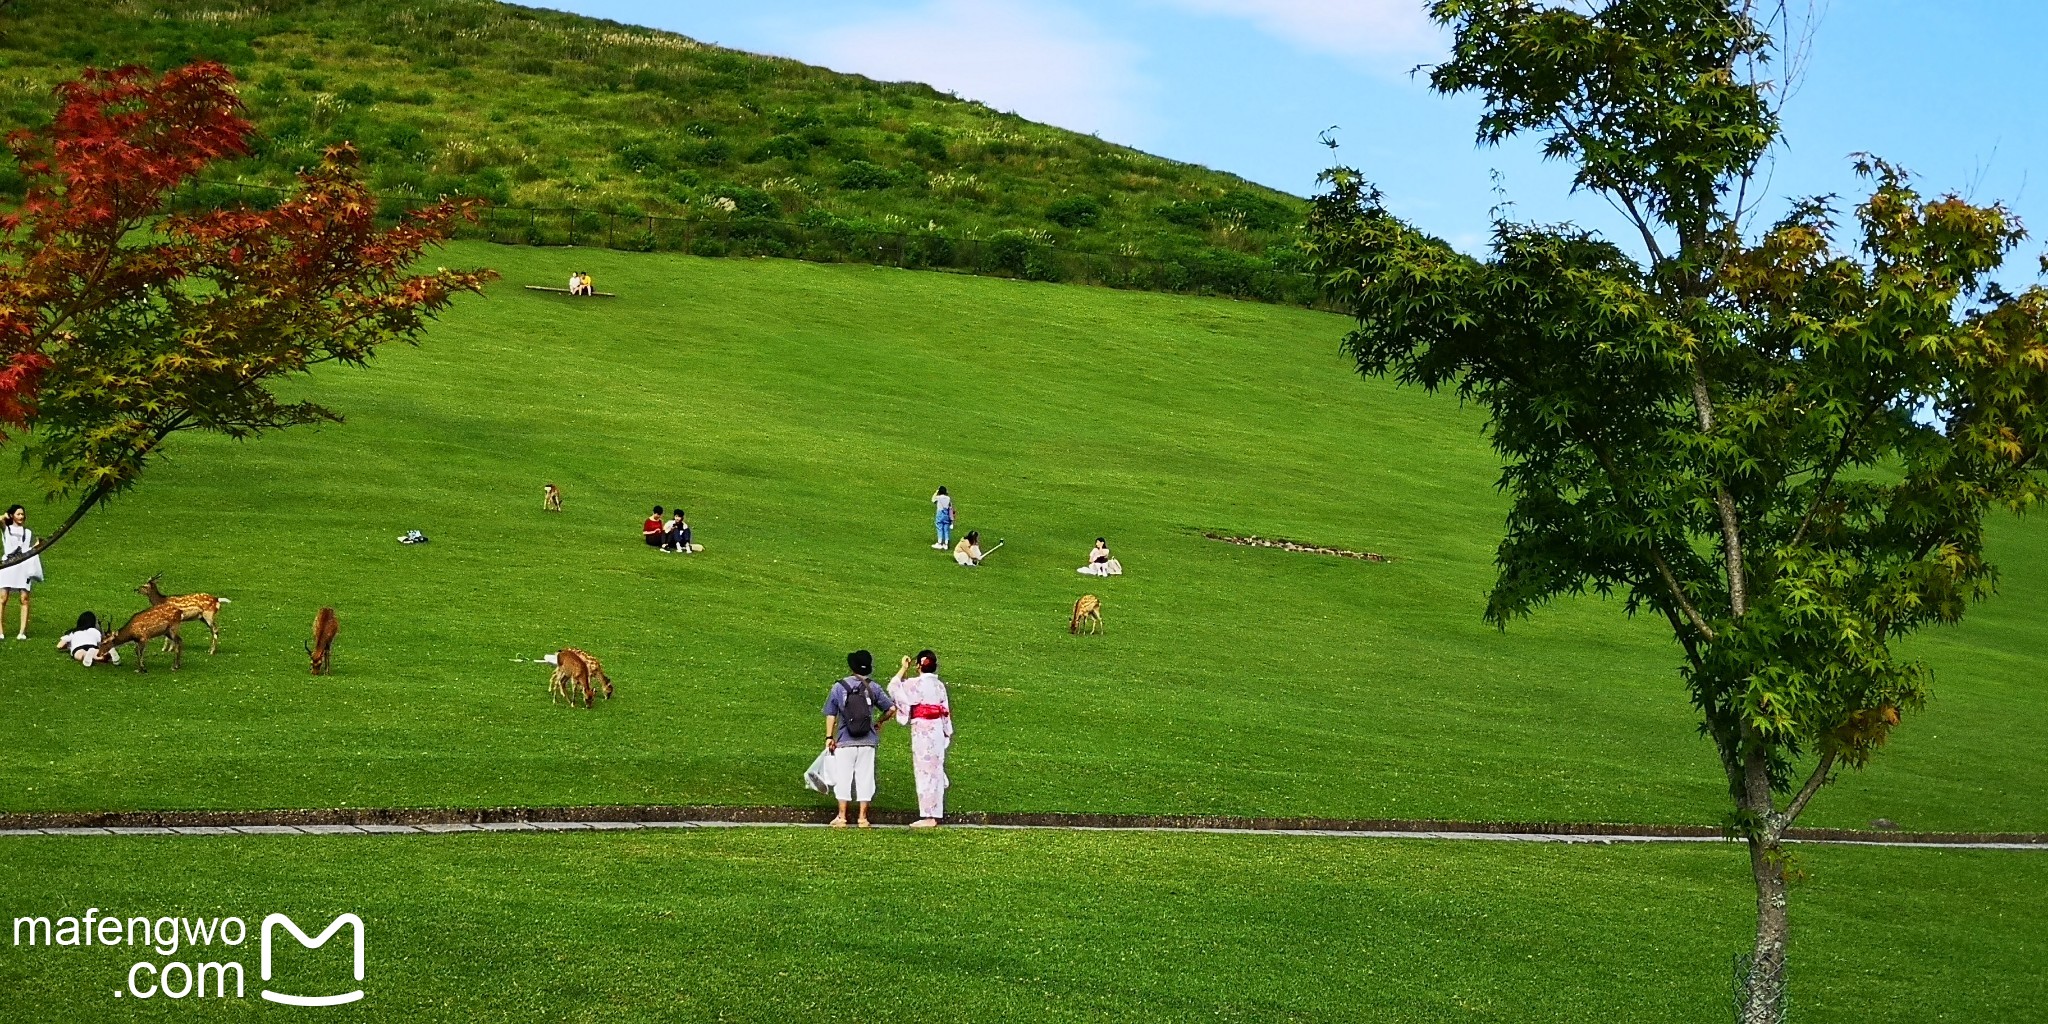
{"points": [[622, 826]]}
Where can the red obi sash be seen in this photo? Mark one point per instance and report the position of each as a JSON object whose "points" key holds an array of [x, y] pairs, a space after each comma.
{"points": [[924, 711]]}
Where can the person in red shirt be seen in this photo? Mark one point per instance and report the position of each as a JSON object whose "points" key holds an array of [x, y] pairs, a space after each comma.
{"points": [[652, 530]]}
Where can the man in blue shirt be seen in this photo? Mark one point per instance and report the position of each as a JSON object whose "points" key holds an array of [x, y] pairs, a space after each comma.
{"points": [[854, 712]]}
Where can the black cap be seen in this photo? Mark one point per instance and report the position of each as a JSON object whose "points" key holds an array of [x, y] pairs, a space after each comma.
{"points": [[861, 662]]}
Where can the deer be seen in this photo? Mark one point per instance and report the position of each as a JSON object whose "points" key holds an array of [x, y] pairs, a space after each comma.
{"points": [[575, 669], [190, 606], [1087, 615], [321, 650], [157, 620], [551, 498]]}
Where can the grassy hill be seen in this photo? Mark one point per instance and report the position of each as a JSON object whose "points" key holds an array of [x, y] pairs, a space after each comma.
{"points": [[537, 109], [802, 414]]}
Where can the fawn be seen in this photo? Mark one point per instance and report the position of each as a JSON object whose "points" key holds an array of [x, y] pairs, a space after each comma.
{"points": [[1087, 614], [159, 620], [189, 606], [321, 650], [574, 670]]}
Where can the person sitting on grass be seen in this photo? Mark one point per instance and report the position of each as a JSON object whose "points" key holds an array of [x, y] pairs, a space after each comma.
{"points": [[83, 642], [677, 535], [1100, 562], [653, 531], [968, 552]]}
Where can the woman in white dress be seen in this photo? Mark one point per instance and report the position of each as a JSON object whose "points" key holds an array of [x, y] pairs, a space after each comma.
{"points": [[16, 579], [922, 705], [1101, 562]]}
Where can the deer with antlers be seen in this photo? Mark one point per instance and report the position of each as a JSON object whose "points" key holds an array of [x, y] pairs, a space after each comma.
{"points": [[1087, 615], [575, 670], [321, 650], [157, 620], [190, 606]]}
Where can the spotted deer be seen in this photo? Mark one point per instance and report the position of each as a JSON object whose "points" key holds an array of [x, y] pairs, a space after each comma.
{"points": [[1087, 615], [321, 650], [574, 670], [158, 620], [205, 607]]}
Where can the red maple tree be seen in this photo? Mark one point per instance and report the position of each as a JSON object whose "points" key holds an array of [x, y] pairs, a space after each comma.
{"points": [[122, 323]]}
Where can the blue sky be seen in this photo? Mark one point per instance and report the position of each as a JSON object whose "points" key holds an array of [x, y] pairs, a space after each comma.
{"points": [[1956, 92]]}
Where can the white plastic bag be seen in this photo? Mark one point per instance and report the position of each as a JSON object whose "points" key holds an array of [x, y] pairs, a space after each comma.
{"points": [[818, 777]]}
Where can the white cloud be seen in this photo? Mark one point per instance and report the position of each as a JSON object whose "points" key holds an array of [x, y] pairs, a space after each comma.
{"points": [[1372, 29], [1045, 62]]}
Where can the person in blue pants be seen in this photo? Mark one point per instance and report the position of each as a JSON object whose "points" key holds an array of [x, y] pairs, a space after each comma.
{"points": [[943, 519]]}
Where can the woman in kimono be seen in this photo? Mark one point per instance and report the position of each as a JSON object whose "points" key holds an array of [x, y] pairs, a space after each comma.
{"points": [[16, 579], [921, 704]]}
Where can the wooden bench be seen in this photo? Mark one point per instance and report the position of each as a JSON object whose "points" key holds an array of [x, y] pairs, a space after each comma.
{"points": [[565, 291]]}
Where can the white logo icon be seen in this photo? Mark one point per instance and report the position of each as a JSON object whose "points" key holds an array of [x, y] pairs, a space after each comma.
{"points": [[313, 942]]}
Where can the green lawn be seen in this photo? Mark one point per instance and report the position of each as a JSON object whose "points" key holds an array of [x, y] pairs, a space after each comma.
{"points": [[802, 414], [783, 925]]}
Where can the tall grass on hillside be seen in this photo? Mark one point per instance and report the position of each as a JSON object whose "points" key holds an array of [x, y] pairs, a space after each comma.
{"points": [[541, 110]]}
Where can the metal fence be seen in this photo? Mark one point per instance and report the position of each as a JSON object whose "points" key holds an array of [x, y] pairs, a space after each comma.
{"points": [[1773, 1005], [1213, 272]]}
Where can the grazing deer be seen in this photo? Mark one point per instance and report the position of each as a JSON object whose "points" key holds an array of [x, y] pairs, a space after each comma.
{"points": [[160, 620], [551, 498], [321, 650], [574, 670], [1087, 615], [189, 606]]}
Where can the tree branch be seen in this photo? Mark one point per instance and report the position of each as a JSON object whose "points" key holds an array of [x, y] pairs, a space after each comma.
{"points": [[1818, 779], [100, 492], [1692, 614], [1724, 503]]}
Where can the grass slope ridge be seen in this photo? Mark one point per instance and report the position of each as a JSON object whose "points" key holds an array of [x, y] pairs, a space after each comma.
{"points": [[802, 414], [534, 108]]}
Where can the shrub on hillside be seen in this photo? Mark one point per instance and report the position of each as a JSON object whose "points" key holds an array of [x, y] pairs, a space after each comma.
{"points": [[1254, 210], [746, 200], [861, 175], [1075, 212], [639, 156], [786, 147], [926, 141]]}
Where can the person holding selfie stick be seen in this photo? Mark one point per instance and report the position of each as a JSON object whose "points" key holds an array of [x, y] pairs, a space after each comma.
{"points": [[921, 704]]}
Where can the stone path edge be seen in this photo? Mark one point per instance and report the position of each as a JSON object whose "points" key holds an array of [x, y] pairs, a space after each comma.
{"points": [[372, 817]]}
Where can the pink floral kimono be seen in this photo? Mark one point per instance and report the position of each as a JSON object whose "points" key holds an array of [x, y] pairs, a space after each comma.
{"points": [[922, 705]]}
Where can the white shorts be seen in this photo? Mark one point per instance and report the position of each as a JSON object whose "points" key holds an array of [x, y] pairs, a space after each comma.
{"points": [[853, 773]]}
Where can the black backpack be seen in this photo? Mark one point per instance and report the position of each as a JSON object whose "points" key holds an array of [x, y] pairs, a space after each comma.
{"points": [[857, 712]]}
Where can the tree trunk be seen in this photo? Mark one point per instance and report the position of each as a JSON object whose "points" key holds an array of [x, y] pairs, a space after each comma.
{"points": [[1763, 999]]}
